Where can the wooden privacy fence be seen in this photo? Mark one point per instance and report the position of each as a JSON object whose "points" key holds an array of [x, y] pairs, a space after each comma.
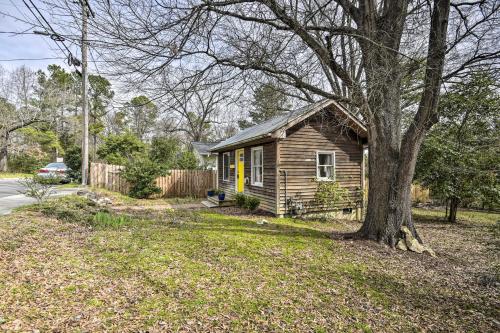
{"points": [[178, 183]]}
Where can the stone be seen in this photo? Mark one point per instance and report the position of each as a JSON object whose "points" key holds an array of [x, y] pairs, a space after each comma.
{"points": [[411, 242], [82, 193], [262, 222], [414, 245], [401, 245], [429, 251]]}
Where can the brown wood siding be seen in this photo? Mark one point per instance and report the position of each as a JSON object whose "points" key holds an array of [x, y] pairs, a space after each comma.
{"points": [[297, 155], [266, 193], [226, 186]]}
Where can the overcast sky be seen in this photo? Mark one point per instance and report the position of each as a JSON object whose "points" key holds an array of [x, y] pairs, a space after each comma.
{"points": [[24, 46]]}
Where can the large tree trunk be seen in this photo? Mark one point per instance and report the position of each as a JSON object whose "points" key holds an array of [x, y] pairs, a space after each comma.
{"points": [[452, 217], [4, 141], [392, 156]]}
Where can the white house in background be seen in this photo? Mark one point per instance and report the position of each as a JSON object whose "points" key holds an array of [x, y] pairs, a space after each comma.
{"points": [[206, 159]]}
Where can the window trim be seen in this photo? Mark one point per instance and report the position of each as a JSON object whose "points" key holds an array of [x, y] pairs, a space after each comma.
{"points": [[260, 184], [224, 179], [334, 165]]}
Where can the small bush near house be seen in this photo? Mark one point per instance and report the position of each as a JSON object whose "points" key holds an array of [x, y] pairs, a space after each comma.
{"points": [[240, 199], [141, 173], [246, 201], [252, 203]]}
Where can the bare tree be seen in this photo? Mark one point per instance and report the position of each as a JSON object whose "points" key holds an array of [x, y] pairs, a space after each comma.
{"points": [[18, 108], [366, 54]]}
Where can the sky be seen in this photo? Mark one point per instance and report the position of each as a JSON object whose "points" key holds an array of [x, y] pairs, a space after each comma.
{"points": [[28, 46]]}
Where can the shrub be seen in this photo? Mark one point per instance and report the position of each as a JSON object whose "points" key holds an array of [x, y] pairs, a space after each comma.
{"points": [[26, 163], [164, 151], [240, 199], [246, 201], [118, 149], [330, 193], [252, 203], [36, 187], [187, 161], [141, 173], [73, 159]]}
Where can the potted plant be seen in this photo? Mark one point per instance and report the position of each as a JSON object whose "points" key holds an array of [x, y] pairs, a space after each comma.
{"points": [[211, 192], [221, 195]]}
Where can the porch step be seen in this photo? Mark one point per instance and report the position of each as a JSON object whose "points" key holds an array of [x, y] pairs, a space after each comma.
{"points": [[227, 202], [209, 204]]}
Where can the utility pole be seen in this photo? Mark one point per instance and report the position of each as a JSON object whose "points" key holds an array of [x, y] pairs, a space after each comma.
{"points": [[85, 108]]}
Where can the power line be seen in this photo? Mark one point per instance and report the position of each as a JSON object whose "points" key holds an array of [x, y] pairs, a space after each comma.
{"points": [[34, 59], [54, 36]]}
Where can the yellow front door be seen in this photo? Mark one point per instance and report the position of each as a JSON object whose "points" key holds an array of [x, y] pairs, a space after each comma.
{"points": [[240, 170]]}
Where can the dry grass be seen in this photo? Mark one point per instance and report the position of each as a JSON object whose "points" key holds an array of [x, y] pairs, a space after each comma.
{"points": [[203, 271]]}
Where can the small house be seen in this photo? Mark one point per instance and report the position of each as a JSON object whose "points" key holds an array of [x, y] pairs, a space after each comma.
{"points": [[307, 161], [206, 160]]}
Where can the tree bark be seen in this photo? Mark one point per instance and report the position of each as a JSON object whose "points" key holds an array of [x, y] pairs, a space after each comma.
{"points": [[452, 217], [4, 142], [393, 156]]}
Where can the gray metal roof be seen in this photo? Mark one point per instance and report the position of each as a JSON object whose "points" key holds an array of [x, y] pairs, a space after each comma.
{"points": [[203, 148], [263, 129]]}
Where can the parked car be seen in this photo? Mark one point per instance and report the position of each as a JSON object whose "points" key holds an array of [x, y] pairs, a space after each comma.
{"points": [[58, 171]]}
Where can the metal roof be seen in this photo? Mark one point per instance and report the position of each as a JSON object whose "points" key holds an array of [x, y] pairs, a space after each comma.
{"points": [[203, 148], [268, 127]]}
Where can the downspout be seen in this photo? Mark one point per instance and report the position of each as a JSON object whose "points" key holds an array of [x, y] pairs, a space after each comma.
{"points": [[286, 189]]}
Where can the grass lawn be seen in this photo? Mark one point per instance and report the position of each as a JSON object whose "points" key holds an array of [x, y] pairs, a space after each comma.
{"points": [[203, 271], [4, 175], [463, 215]]}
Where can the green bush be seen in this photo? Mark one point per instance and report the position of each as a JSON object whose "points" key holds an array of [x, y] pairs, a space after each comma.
{"points": [[119, 149], [73, 159], [25, 163], [141, 173], [246, 201], [252, 203], [187, 161], [240, 199], [165, 150]]}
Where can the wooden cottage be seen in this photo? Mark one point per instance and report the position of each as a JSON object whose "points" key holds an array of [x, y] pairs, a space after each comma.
{"points": [[285, 161]]}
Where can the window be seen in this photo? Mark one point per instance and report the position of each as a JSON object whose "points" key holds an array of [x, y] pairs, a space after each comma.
{"points": [[325, 164], [226, 160], [257, 169]]}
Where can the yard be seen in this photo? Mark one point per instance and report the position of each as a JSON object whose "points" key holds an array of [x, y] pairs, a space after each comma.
{"points": [[207, 271]]}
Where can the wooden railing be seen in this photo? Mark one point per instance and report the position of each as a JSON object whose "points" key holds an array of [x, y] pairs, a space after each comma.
{"points": [[178, 183]]}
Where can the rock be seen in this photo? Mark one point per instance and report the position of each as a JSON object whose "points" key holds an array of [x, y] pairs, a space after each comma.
{"points": [[429, 251], [411, 242], [104, 201], [262, 222], [414, 245], [82, 193], [401, 245]]}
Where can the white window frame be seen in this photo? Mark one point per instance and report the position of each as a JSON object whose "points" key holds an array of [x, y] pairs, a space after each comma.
{"points": [[252, 182], [334, 165], [225, 177]]}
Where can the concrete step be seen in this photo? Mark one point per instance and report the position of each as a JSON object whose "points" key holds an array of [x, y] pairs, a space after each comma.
{"points": [[218, 203]]}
